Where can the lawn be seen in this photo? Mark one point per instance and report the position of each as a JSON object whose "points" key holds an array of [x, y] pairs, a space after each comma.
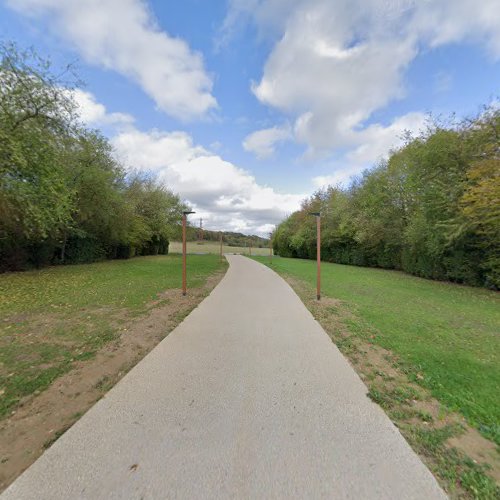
{"points": [[446, 336], [57, 316], [194, 247]]}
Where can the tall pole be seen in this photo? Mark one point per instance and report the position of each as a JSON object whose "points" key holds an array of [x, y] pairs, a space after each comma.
{"points": [[318, 252], [318, 256], [221, 246], [184, 280], [270, 249]]}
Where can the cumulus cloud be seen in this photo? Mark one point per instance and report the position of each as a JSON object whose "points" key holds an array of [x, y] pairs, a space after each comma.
{"points": [[262, 142], [226, 196], [94, 113], [439, 22], [155, 149], [122, 35], [375, 143], [336, 62], [377, 140]]}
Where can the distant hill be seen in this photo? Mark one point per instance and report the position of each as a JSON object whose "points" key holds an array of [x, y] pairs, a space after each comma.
{"points": [[230, 238]]}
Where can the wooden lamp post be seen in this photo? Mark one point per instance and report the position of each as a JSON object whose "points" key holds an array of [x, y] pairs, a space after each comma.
{"points": [[185, 213], [221, 246], [318, 253]]}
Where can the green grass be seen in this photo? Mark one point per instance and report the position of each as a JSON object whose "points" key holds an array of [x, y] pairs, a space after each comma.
{"points": [[194, 247], [447, 334], [128, 283], [56, 316]]}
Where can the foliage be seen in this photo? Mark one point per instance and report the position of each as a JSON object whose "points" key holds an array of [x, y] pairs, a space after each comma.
{"points": [[63, 196], [432, 209]]}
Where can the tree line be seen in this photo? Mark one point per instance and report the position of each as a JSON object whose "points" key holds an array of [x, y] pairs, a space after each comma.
{"points": [[230, 238], [431, 209], [64, 198]]}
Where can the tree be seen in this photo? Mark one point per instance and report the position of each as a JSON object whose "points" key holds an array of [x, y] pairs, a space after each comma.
{"points": [[157, 212], [35, 112], [64, 198], [431, 209]]}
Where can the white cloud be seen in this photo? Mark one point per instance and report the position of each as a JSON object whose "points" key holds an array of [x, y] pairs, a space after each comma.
{"points": [[122, 35], [375, 142], [224, 195], [336, 62], [227, 196], [440, 22], [262, 142], [94, 113], [154, 150], [340, 177]]}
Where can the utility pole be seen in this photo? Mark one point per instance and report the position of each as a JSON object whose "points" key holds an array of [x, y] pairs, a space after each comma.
{"points": [[318, 253], [185, 213], [318, 257], [221, 246], [270, 249], [200, 235]]}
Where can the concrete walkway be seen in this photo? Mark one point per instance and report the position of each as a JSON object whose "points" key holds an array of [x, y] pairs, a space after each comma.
{"points": [[247, 398]]}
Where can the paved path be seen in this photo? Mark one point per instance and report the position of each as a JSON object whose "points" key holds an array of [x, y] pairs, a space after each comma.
{"points": [[247, 398]]}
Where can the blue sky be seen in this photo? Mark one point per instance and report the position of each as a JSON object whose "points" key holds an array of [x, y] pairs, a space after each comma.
{"points": [[245, 107]]}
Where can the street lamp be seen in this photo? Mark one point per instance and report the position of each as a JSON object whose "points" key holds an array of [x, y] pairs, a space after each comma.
{"points": [[221, 259], [318, 252], [270, 248], [185, 213]]}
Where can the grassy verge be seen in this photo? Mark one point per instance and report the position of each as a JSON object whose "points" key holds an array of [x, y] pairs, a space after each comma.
{"points": [[56, 317], [213, 247], [429, 354]]}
